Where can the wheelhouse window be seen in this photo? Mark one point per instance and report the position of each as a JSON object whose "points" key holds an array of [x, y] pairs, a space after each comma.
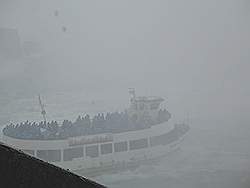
{"points": [[136, 106], [92, 151], [29, 152], [49, 155], [106, 148], [121, 146], [154, 106], [71, 153], [138, 144], [141, 106]]}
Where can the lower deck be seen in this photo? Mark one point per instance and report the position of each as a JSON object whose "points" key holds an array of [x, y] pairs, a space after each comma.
{"points": [[125, 148]]}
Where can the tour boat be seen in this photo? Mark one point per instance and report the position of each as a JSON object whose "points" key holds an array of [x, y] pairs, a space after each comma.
{"points": [[108, 142]]}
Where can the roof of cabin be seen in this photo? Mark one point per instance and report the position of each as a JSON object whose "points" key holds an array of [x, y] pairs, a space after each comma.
{"points": [[148, 99]]}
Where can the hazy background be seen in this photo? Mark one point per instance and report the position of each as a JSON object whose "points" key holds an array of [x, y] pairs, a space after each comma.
{"points": [[193, 53]]}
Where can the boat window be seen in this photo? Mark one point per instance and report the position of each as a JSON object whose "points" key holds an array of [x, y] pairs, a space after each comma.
{"points": [[106, 148], [164, 139], [29, 152], [92, 151], [136, 106], [71, 153], [156, 140], [154, 106], [141, 106], [49, 155], [121, 146], [138, 144]]}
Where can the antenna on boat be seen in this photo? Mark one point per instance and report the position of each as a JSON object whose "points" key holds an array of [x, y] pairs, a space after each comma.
{"points": [[132, 92], [43, 112]]}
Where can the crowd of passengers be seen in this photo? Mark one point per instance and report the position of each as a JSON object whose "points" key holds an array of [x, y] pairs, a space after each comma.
{"points": [[83, 125]]}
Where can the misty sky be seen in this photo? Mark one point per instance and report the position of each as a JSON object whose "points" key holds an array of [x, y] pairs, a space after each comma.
{"points": [[195, 53]]}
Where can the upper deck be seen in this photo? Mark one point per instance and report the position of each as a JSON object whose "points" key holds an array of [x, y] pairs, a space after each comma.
{"points": [[143, 113], [82, 126]]}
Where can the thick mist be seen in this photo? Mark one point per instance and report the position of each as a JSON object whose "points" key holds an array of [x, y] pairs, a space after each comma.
{"points": [[193, 53]]}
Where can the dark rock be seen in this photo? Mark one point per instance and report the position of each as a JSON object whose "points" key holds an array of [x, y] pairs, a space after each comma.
{"points": [[18, 170]]}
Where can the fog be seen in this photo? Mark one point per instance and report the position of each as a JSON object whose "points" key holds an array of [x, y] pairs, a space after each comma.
{"points": [[195, 54]]}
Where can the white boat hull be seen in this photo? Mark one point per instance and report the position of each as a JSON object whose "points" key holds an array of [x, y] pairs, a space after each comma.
{"points": [[108, 162]]}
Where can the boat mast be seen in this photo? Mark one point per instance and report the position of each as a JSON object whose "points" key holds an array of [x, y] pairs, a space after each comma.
{"points": [[132, 92], [43, 112]]}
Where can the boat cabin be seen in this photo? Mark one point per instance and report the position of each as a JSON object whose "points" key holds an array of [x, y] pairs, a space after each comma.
{"points": [[144, 108]]}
